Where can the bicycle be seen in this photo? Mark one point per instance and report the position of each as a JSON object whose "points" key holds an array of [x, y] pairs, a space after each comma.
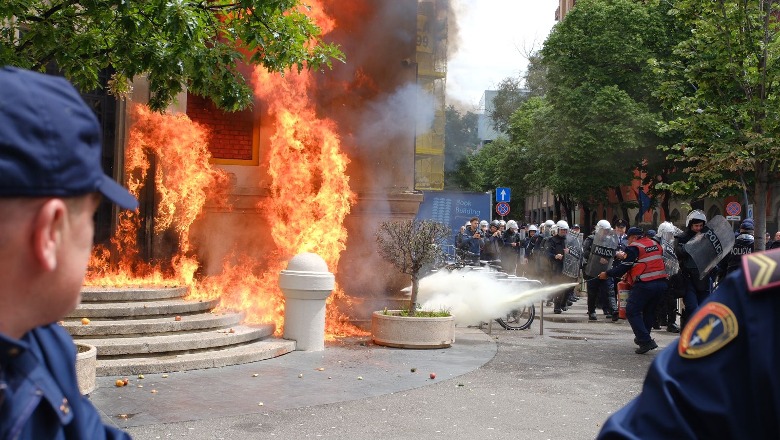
{"points": [[520, 318]]}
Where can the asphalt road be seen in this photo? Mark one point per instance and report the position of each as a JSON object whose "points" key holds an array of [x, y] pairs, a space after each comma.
{"points": [[503, 385]]}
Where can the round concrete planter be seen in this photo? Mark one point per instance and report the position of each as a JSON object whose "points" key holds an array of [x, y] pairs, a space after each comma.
{"points": [[392, 330], [86, 366]]}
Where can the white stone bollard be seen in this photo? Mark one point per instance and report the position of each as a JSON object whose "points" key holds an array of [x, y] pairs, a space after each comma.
{"points": [[306, 284]]}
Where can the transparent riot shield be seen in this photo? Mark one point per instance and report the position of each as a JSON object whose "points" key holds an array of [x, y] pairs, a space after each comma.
{"points": [[572, 258], [670, 259], [709, 247], [602, 252]]}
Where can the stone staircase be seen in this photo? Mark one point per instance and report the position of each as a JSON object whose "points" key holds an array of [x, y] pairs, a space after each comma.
{"points": [[154, 330]]}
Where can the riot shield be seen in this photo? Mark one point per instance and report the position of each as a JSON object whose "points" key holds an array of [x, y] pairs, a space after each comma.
{"points": [[709, 247], [602, 252], [670, 259], [572, 259]]}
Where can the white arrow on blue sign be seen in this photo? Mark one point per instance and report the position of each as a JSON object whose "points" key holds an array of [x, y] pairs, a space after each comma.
{"points": [[503, 195]]}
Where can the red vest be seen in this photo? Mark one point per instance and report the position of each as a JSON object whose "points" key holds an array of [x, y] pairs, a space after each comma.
{"points": [[649, 265]]}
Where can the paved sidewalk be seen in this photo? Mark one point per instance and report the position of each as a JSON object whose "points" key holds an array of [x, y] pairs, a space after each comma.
{"points": [[507, 384]]}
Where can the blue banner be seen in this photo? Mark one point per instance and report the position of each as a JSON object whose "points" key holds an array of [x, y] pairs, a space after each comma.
{"points": [[454, 208]]}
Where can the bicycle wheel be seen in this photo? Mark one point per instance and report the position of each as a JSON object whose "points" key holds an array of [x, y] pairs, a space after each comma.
{"points": [[518, 319]]}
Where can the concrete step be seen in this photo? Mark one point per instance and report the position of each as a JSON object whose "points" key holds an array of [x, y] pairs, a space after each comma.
{"points": [[167, 324], [241, 354], [91, 294], [141, 308], [214, 338]]}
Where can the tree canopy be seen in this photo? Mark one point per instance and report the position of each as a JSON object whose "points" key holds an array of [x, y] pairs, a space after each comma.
{"points": [[721, 86], [200, 45]]}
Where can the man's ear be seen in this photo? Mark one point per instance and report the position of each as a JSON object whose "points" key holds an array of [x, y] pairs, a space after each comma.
{"points": [[48, 225]]}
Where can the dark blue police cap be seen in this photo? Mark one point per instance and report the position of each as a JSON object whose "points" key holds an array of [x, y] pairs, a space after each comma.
{"points": [[747, 224], [50, 141], [634, 231]]}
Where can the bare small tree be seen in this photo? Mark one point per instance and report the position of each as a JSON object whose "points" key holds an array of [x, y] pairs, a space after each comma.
{"points": [[409, 245]]}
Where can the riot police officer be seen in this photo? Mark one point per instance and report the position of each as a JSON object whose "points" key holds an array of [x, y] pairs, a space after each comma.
{"points": [[743, 245], [697, 286], [646, 273], [720, 380]]}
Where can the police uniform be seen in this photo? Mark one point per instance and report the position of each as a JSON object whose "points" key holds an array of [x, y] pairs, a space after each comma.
{"points": [[720, 380], [647, 275], [39, 395]]}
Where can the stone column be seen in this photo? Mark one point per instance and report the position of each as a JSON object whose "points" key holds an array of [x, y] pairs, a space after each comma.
{"points": [[306, 284]]}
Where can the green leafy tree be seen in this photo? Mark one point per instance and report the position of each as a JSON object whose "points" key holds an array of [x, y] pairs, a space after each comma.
{"points": [[511, 94], [600, 96], [721, 87], [198, 44], [536, 76]]}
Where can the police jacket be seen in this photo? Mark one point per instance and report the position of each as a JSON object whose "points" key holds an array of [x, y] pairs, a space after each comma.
{"points": [[39, 395], [643, 262], [533, 245], [743, 245], [687, 266], [555, 245], [719, 381]]}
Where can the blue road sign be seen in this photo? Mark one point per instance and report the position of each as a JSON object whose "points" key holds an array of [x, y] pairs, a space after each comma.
{"points": [[503, 195]]}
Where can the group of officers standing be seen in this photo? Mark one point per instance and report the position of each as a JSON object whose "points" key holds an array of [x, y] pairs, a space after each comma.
{"points": [[648, 271], [717, 379]]}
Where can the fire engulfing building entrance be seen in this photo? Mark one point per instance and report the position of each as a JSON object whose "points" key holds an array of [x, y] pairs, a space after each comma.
{"points": [[314, 166]]}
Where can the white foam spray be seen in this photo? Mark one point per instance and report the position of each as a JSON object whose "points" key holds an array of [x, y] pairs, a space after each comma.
{"points": [[475, 296]]}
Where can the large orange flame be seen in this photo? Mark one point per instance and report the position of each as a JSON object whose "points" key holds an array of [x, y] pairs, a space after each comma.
{"points": [[307, 169]]}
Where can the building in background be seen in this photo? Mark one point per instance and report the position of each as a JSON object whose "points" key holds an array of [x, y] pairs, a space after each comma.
{"points": [[486, 131]]}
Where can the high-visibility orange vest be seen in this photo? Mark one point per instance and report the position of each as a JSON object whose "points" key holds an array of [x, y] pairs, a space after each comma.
{"points": [[649, 265]]}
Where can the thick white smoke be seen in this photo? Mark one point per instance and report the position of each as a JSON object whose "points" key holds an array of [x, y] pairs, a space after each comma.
{"points": [[476, 296]]}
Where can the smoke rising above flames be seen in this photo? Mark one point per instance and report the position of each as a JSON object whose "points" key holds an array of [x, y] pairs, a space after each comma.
{"points": [[324, 138]]}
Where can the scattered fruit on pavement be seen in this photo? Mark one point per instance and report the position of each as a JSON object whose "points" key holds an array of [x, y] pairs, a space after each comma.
{"points": [[255, 375], [120, 383], [414, 370], [177, 318], [140, 376], [85, 321], [433, 375]]}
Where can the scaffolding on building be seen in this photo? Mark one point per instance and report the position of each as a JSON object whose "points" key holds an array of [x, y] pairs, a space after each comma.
{"points": [[431, 59]]}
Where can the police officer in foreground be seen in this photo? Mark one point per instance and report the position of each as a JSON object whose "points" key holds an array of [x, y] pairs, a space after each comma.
{"points": [[646, 273], [720, 380], [51, 183]]}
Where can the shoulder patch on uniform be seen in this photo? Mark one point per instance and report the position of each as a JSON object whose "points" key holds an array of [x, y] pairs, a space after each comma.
{"points": [[762, 270], [712, 327]]}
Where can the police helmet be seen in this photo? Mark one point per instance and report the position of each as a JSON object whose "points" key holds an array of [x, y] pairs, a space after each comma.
{"points": [[483, 223], [665, 228], [562, 225], [549, 223], [603, 224], [495, 224], [511, 224], [533, 228], [501, 223], [696, 216]]}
